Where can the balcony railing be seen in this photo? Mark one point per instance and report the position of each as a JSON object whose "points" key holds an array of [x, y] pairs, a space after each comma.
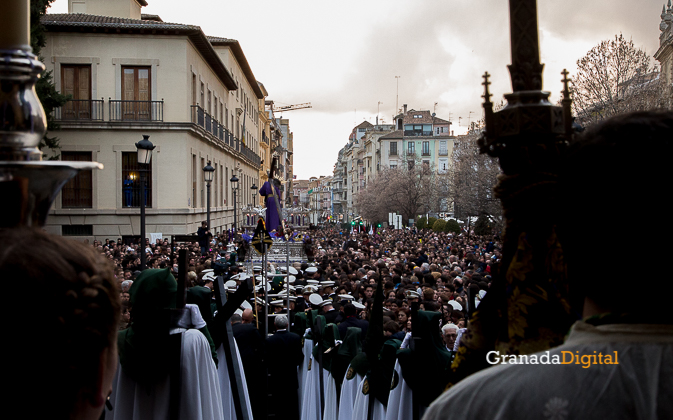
{"points": [[443, 152], [80, 110], [136, 110], [412, 133], [204, 120], [425, 153]]}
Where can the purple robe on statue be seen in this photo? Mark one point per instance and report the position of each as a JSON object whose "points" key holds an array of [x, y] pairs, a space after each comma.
{"points": [[272, 219]]}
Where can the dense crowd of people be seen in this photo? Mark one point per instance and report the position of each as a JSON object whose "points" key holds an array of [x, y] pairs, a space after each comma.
{"points": [[434, 270], [367, 327]]}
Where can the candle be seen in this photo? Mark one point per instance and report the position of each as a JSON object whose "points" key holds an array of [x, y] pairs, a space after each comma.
{"points": [[15, 25]]}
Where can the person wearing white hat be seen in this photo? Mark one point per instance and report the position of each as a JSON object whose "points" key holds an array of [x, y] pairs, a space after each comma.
{"points": [[332, 316]]}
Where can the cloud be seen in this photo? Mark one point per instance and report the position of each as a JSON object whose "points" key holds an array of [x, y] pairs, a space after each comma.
{"points": [[343, 56]]}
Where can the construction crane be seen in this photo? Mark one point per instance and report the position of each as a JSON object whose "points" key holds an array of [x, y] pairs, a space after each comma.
{"points": [[291, 107]]}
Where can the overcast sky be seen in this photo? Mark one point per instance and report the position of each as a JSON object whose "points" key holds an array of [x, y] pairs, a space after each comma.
{"points": [[343, 56]]}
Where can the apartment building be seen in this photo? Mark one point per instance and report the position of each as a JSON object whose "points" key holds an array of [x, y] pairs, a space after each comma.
{"points": [[665, 52], [419, 138], [416, 137], [320, 199], [129, 74]]}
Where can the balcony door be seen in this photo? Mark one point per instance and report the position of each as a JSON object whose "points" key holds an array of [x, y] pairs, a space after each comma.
{"points": [[76, 82], [136, 93]]}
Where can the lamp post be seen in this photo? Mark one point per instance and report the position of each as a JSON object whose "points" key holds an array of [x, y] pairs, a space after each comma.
{"points": [[208, 172], [234, 188], [145, 148], [254, 194]]}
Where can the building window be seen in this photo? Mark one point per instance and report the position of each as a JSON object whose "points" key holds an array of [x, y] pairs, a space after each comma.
{"points": [[411, 148], [136, 93], [78, 192], [76, 82], [194, 181], [443, 151], [393, 164], [194, 89], [410, 164], [443, 165], [426, 148], [393, 148], [202, 183], [418, 129], [131, 172], [77, 230], [418, 116]]}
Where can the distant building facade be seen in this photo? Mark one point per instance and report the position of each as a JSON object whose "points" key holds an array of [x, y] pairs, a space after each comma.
{"points": [[665, 52]]}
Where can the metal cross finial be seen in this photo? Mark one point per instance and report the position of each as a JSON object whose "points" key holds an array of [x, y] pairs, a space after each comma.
{"points": [[487, 95]]}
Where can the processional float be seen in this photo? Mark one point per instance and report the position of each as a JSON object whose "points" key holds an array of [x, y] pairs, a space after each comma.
{"points": [[528, 308]]}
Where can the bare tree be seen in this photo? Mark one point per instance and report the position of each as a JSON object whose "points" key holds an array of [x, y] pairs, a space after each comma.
{"points": [[615, 77], [471, 179], [408, 189]]}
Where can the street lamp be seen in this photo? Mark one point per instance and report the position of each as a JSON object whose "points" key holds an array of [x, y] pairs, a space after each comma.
{"points": [[208, 172], [145, 148], [234, 188], [254, 193]]}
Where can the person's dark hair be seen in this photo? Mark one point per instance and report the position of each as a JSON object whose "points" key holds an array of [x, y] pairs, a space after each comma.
{"points": [[430, 305], [391, 326], [611, 174], [74, 312], [349, 310], [236, 319]]}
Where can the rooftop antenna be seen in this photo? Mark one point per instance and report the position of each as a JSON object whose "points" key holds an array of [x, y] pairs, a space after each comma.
{"points": [[397, 79], [469, 117], [434, 110]]}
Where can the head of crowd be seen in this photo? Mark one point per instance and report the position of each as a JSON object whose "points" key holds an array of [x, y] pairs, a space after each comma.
{"points": [[434, 269]]}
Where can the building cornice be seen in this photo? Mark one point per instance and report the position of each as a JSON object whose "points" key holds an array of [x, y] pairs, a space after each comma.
{"points": [[242, 61], [83, 23]]}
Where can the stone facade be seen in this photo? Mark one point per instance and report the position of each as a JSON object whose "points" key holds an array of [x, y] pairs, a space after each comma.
{"points": [[130, 75], [665, 52]]}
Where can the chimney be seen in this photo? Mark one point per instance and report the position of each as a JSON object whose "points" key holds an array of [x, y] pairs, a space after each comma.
{"points": [[405, 108]]}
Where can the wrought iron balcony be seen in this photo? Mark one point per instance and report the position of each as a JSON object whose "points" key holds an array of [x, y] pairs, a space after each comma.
{"points": [[136, 110], [80, 110], [213, 127], [417, 133]]}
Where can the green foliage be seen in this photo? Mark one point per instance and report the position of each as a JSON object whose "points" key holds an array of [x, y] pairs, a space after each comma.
{"points": [[421, 223], [430, 222], [483, 226], [46, 91], [438, 226], [451, 226]]}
